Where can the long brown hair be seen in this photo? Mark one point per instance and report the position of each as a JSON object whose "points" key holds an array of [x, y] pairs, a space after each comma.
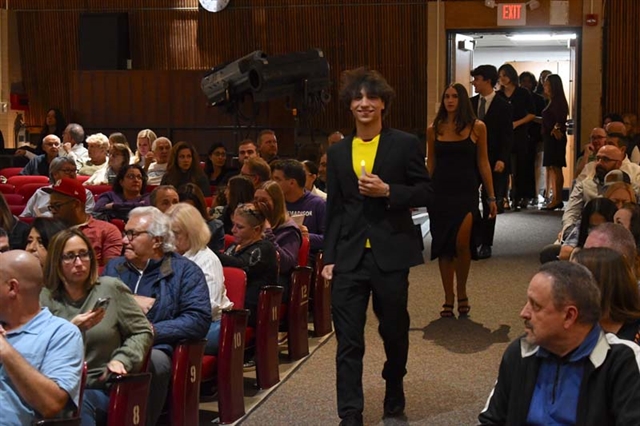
{"points": [[618, 287], [53, 266], [173, 172], [279, 213], [465, 116]]}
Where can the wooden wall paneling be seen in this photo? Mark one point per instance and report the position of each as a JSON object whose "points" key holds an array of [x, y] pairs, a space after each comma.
{"points": [[621, 57]]}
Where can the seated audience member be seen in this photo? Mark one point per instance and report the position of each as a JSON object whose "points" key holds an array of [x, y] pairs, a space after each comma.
{"points": [[246, 149], [68, 204], [129, 192], [238, 191], [597, 211], [4, 241], [597, 140], [311, 172], [184, 167], [257, 170], [39, 165], [16, 230], [321, 182], [620, 193], [144, 155], [41, 355], [630, 122], [611, 117], [119, 156], [98, 150], [565, 369], [629, 216], [38, 204], [280, 229], [251, 253], [164, 196], [618, 238], [191, 194], [117, 336], [620, 301], [40, 234], [215, 166], [73, 146], [268, 145], [161, 149], [291, 177], [170, 289], [192, 235], [119, 138], [334, 138]]}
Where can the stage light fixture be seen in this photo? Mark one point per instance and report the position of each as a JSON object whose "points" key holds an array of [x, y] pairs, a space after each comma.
{"points": [[229, 80]]}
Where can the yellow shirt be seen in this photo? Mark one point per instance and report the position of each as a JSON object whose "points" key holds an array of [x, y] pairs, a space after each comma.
{"points": [[364, 151]]}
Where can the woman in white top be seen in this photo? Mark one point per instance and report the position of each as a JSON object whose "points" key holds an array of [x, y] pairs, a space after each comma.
{"points": [[191, 237]]}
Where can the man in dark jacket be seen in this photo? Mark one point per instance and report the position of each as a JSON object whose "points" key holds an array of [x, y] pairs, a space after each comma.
{"points": [[565, 370], [170, 289]]}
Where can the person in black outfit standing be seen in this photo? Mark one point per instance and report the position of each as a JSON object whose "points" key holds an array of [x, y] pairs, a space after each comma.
{"points": [[497, 117], [374, 177]]}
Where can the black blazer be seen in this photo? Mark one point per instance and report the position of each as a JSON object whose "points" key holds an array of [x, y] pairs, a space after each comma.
{"points": [[351, 218], [499, 122]]}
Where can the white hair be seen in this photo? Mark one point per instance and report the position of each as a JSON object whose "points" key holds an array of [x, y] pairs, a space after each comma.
{"points": [[160, 139], [99, 139], [159, 226]]}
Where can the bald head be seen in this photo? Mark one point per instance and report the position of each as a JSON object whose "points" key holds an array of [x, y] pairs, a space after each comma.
{"points": [[616, 127], [612, 152], [334, 137], [24, 268]]}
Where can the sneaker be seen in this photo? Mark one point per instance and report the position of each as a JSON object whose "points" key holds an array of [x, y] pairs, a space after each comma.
{"points": [[394, 400], [352, 420], [249, 365]]}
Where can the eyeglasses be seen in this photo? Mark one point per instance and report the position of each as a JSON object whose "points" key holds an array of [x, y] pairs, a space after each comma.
{"points": [[604, 159], [69, 258], [133, 177], [68, 171], [593, 138], [131, 234], [56, 206]]}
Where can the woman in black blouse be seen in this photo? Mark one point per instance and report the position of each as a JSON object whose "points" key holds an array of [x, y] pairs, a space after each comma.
{"points": [[523, 153], [554, 118]]}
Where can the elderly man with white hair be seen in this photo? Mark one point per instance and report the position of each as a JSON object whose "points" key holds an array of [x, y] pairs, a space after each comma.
{"points": [[98, 148], [171, 290]]}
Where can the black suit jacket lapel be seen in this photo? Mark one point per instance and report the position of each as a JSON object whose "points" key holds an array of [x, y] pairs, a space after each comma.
{"points": [[384, 145]]}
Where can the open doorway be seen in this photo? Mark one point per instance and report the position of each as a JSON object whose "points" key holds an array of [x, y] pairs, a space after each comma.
{"points": [[526, 50]]}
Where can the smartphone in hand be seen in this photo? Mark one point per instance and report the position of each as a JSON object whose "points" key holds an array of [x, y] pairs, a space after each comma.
{"points": [[102, 302]]}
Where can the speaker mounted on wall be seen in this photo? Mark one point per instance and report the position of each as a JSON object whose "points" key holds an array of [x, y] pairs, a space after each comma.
{"points": [[103, 41]]}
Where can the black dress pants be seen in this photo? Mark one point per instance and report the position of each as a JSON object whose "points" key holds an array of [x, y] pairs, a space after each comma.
{"points": [[350, 298]]}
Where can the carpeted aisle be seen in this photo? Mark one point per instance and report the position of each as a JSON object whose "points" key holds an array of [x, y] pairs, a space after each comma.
{"points": [[452, 362]]}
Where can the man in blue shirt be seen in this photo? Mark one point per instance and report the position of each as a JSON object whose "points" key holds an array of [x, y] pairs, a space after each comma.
{"points": [[41, 356], [565, 370]]}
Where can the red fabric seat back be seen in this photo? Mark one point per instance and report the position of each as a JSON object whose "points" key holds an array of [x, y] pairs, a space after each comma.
{"points": [[128, 400], [235, 281]]}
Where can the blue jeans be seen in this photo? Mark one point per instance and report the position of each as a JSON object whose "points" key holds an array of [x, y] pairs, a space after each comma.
{"points": [[213, 339], [95, 406]]}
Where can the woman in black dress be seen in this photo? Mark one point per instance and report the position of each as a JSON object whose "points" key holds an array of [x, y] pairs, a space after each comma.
{"points": [[523, 154], [554, 118], [457, 155]]}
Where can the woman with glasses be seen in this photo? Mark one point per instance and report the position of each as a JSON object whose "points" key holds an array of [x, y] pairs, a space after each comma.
{"points": [[184, 167], [41, 233], [252, 253], [215, 166], [191, 238], [117, 335], [129, 192], [119, 156]]}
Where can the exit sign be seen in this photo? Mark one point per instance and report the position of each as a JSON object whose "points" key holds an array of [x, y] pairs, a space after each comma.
{"points": [[512, 14]]}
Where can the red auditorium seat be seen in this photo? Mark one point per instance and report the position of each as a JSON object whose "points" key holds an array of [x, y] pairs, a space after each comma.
{"points": [[298, 312], [119, 223], [82, 178], [28, 189], [6, 188], [15, 199], [235, 281], [96, 190], [128, 400], [185, 383], [267, 369], [228, 240], [10, 171], [20, 180], [227, 367], [321, 301], [303, 253], [16, 210]]}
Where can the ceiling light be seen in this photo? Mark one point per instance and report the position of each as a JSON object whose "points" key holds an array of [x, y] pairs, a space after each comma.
{"points": [[541, 37], [533, 4], [490, 3]]}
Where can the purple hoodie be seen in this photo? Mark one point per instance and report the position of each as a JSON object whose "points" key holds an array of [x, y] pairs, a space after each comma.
{"points": [[312, 208]]}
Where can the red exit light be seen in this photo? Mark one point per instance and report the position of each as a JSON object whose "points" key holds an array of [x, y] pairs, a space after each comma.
{"points": [[512, 14]]}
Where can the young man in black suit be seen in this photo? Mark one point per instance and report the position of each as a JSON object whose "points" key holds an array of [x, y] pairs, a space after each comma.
{"points": [[496, 114], [374, 177]]}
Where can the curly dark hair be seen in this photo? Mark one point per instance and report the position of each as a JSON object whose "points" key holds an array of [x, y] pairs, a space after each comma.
{"points": [[352, 82], [117, 186]]}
